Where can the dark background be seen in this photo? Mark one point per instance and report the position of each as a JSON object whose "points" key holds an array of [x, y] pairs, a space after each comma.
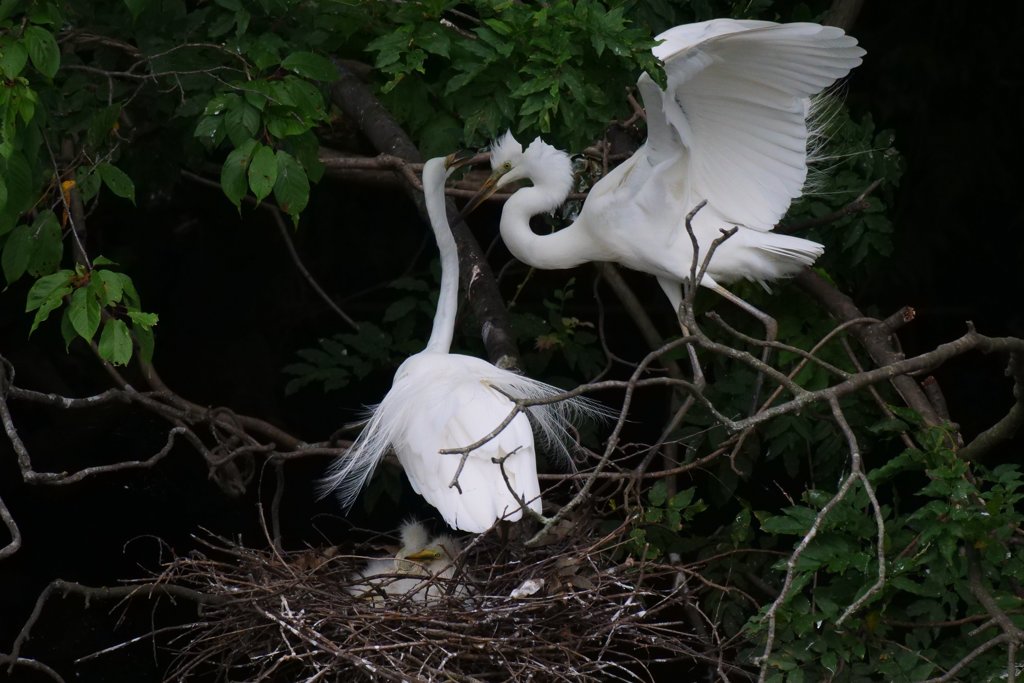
{"points": [[946, 77]]}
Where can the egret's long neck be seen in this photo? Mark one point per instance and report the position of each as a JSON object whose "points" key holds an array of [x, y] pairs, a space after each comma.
{"points": [[434, 176], [566, 248]]}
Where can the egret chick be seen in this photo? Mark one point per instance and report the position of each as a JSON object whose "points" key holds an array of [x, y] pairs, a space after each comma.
{"points": [[422, 568]]}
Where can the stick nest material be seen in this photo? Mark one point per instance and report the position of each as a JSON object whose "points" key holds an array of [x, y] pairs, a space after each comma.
{"points": [[571, 610]]}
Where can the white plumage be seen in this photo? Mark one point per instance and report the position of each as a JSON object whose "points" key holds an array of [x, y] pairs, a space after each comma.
{"points": [[423, 568], [730, 129], [440, 400]]}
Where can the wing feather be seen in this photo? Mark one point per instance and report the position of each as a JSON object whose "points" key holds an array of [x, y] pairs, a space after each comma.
{"points": [[737, 99]]}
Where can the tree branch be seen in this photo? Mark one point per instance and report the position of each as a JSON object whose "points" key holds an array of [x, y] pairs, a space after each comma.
{"points": [[358, 103], [874, 339], [12, 527], [1006, 428], [90, 593]]}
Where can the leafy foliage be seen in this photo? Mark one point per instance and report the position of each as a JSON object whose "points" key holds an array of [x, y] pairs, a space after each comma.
{"points": [[559, 335], [956, 516], [658, 530], [550, 71], [104, 102]]}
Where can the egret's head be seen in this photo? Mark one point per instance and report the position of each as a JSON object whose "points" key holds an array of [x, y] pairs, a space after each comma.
{"points": [[545, 166], [418, 545], [539, 162], [414, 537], [435, 557], [506, 160], [457, 159]]}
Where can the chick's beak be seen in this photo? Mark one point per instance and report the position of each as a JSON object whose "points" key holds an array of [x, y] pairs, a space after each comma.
{"points": [[425, 554]]}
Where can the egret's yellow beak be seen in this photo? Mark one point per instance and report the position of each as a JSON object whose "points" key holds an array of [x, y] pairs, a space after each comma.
{"points": [[425, 554], [489, 187], [458, 159]]}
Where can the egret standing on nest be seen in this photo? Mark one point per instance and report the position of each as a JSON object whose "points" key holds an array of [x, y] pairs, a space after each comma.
{"points": [[441, 401], [730, 130]]}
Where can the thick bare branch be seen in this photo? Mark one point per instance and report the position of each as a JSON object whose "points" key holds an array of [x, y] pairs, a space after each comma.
{"points": [[1010, 424], [875, 341], [12, 528], [380, 128]]}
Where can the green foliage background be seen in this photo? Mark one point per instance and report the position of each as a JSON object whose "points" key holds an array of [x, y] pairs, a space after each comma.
{"points": [[109, 101]]}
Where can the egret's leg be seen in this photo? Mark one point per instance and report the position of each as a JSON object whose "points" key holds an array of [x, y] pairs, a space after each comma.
{"points": [[674, 291], [771, 328]]}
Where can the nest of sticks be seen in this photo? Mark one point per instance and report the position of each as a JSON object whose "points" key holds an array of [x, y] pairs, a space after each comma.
{"points": [[574, 609]]}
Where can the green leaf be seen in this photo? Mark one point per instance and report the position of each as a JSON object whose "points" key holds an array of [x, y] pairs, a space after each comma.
{"points": [[143, 320], [102, 124], [434, 40], [310, 65], [21, 187], [84, 312], [659, 493], [42, 50], [12, 58], [67, 330], [399, 309], [48, 307], [48, 287], [46, 295], [284, 123], [682, 499], [3, 193], [117, 180], [48, 246], [145, 338], [110, 285], [17, 252], [233, 173], [242, 121], [263, 172], [265, 51], [291, 189], [87, 181], [115, 342], [8, 7], [795, 520], [131, 297]]}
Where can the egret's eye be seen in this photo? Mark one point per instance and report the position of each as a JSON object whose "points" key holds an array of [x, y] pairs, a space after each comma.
{"points": [[507, 166]]}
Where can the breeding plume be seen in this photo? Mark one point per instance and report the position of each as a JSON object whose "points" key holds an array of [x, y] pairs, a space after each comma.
{"points": [[730, 129], [441, 400]]}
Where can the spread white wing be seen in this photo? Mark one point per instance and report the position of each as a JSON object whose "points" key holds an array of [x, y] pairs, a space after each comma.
{"points": [[737, 101]]}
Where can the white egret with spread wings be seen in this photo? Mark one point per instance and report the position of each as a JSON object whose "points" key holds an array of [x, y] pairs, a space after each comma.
{"points": [[730, 130]]}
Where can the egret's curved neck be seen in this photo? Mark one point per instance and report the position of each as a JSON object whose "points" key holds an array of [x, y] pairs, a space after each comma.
{"points": [[434, 176], [566, 248]]}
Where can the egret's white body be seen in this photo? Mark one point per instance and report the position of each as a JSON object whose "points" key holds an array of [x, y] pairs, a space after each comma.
{"points": [[731, 129], [422, 568], [440, 400]]}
